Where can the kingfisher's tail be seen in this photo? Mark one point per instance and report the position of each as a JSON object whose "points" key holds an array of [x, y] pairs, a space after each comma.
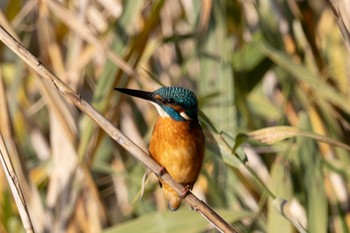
{"points": [[172, 197]]}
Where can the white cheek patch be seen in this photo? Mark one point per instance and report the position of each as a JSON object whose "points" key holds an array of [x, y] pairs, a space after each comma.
{"points": [[161, 112], [185, 116]]}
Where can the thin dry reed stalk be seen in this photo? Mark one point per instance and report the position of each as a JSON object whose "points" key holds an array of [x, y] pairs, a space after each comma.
{"points": [[15, 186]]}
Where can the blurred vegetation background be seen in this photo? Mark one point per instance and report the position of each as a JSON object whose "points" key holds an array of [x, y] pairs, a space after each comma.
{"points": [[253, 64]]}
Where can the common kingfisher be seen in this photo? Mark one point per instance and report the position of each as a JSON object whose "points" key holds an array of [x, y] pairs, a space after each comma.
{"points": [[177, 141]]}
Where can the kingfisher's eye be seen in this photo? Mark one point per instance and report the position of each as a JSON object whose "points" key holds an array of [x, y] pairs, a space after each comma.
{"points": [[169, 101]]}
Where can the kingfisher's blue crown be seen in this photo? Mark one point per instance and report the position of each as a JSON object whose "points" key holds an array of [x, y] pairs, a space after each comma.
{"points": [[175, 100]]}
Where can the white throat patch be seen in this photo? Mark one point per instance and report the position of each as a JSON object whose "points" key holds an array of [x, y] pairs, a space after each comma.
{"points": [[161, 112]]}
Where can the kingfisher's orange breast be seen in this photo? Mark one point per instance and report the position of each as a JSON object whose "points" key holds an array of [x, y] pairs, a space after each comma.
{"points": [[179, 147]]}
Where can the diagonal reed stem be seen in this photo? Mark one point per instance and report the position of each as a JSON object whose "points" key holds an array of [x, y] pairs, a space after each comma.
{"points": [[15, 187], [208, 213]]}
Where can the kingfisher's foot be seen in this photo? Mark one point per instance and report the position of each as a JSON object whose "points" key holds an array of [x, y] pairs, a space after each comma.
{"points": [[186, 191], [161, 171]]}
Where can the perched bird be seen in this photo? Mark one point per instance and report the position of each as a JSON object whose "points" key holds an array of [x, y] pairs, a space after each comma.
{"points": [[177, 141]]}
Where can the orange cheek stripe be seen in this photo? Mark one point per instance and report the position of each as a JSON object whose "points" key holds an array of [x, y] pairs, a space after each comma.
{"points": [[177, 108]]}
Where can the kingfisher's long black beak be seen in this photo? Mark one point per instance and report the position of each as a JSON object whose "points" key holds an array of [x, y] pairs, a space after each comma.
{"points": [[137, 93]]}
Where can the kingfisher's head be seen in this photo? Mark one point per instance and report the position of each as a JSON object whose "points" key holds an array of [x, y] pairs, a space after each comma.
{"points": [[176, 102]]}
